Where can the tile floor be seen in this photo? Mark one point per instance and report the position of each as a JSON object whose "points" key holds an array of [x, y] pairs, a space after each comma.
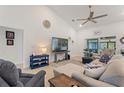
{"points": [[49, 69]]}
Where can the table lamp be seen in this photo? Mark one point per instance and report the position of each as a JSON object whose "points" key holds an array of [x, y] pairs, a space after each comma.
{"points": [[44, 50]]}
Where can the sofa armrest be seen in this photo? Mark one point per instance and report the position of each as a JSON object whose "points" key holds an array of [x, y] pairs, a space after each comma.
{"points": [[19, 84], [3, 83], [37, 80], [90, 82], [24, 75]]}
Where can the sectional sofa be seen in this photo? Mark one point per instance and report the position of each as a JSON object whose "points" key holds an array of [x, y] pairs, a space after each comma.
{"points": [[111, 76]]}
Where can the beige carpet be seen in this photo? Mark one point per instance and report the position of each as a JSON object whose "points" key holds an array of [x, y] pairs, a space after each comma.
{"points": [[49, 69]]}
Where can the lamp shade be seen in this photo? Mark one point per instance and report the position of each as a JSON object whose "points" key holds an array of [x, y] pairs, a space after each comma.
{"points": [[44, 50]]}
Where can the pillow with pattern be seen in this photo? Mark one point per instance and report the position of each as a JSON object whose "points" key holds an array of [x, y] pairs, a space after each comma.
{"points": [[104, 58]]}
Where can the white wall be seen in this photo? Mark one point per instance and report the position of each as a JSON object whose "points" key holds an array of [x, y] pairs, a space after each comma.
{"points": [[81, 39], [11, 53], [115, 29], [30, 19]]}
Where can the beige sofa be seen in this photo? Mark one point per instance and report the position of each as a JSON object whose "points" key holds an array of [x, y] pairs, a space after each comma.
{"points": [[112, 76]]}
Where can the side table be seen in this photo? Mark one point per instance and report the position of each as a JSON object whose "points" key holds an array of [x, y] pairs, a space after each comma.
{"points": [[87, 60]]}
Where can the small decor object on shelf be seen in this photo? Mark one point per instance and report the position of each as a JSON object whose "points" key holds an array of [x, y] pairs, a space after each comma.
{"points": [[46, 24], [10, 42], [10, 35]]}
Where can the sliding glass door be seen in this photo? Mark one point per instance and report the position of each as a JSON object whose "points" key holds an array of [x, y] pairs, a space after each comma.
{"points": [[112, 45], [109, 45], [96, 44], [92, 45]]}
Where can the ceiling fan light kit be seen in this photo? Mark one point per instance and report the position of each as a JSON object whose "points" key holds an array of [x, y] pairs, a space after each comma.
{"points": [[80, 25], [90, 17]]}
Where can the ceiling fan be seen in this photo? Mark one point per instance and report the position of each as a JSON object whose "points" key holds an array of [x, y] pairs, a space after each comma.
{"points": [[90, 17]]}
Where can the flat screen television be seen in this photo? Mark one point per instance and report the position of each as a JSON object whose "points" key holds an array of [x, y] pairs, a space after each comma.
{"points": [[59, 44]]}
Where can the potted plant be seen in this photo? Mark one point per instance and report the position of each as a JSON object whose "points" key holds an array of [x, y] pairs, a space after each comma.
{"points": [[87, 52]]}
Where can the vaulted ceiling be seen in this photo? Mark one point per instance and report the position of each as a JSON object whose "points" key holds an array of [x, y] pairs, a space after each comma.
{"points": [[68, 12]]}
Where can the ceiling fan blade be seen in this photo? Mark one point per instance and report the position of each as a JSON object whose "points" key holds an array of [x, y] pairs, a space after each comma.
{"points": [[85, 22], [80, 19], [73, 20], [93, 21], [91, 14], [100, 16]]}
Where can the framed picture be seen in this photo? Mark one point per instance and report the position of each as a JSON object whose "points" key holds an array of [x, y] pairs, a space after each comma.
{"points": [[10, 35], [10, 42]]}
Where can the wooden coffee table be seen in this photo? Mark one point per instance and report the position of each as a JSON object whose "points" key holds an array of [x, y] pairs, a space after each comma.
{"points": [[63, 80]]}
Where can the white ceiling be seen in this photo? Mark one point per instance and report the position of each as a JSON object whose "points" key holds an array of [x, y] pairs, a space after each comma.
{"points": [[67, 12]]}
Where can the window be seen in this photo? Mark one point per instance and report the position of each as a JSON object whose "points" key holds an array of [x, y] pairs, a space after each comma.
{"points": [[112, 45], [92, 45], [103, 45], [96, 44], [109, 45]]}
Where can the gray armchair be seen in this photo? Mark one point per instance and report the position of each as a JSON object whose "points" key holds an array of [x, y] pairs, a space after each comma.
{"points": [[10, 76]]}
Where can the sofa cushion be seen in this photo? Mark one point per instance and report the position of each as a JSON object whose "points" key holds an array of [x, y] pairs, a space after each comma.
{"points": [[95, 72], [115, 80], [115, 70], [90, 82], [9, 72], [68, 69], [118, 56]]}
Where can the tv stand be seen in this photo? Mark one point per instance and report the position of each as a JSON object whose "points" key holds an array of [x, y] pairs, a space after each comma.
{"points": [[61, 52]]}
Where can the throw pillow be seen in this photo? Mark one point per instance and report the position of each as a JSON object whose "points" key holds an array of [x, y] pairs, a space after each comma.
{"points": [[104, 58], [95, 72]]}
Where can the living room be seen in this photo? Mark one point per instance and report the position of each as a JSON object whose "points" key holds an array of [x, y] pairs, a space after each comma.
{"points": [[28, 31]]}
